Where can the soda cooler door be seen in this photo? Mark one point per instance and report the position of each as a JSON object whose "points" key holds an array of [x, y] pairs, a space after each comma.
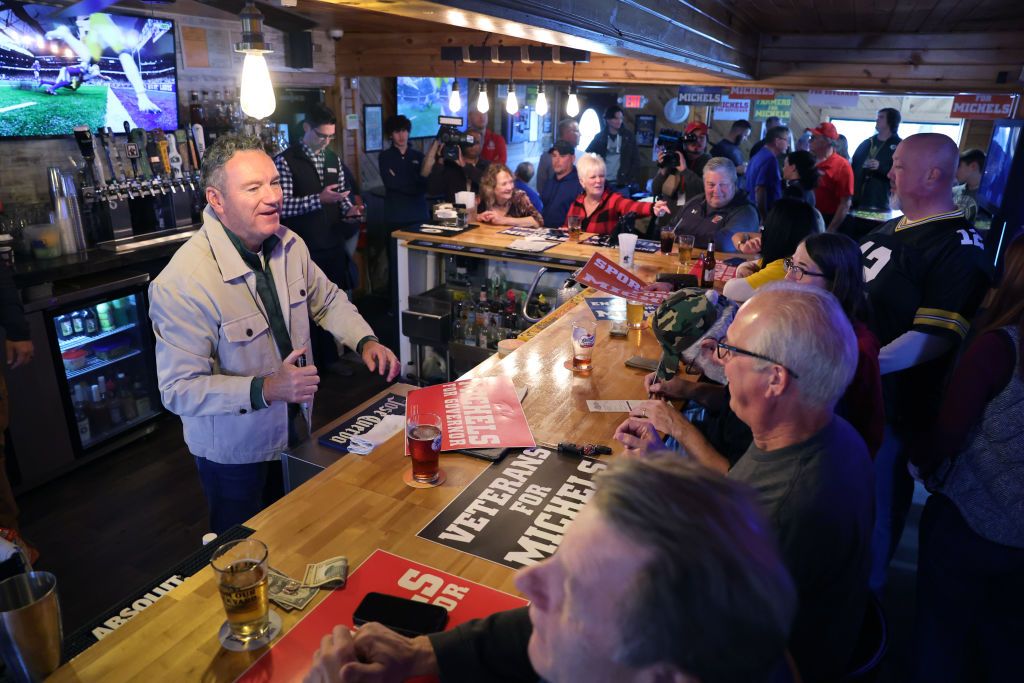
{"points": [[104, 349]]}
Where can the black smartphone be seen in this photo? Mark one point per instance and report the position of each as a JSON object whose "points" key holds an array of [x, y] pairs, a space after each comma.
{"points": [[408, 617]]}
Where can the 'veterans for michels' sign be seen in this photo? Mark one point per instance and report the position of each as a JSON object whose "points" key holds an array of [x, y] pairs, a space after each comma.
{"points": [[516, 512], [475, 413], [981, 107], [611, 278]]}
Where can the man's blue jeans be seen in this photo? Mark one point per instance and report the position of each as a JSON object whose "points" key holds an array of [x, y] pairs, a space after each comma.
{"points": [[235, 493]]}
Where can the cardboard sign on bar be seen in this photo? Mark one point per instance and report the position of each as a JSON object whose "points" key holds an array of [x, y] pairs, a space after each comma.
{"points": [[289, 659], [608, 277], [700, 94], [982, 107], [732, 110], [843, 99], [475, 413], [516, 512], [781, 106], [752, 93]]}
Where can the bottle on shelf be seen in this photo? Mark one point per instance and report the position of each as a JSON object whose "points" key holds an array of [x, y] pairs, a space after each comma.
{"points": [[65, 328], [126, 398], [707, 267], [142, 406], [458, 328], [78, 323], [104, 316], [91, 322], [196, 115], [119, 313], [97, 411], [82, 422]]}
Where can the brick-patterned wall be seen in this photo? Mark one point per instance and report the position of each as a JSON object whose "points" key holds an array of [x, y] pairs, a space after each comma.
{"points": [[23, 163]]}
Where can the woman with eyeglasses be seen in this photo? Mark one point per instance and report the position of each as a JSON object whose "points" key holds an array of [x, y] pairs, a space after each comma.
{"points": [[832, 262], [787, 224]]}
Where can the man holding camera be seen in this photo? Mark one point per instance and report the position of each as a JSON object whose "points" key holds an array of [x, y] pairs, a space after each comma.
{"points": [[681, 163], [453, 163]]}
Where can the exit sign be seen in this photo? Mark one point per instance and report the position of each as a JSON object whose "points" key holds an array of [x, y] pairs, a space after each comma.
{"points": [[634, 101]]}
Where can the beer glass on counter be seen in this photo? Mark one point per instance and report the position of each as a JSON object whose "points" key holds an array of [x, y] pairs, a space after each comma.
{"points": [[424, 432], [584, 334], [635, 314], [668, 237], [574, 224], [241, 569], [685, 249]]}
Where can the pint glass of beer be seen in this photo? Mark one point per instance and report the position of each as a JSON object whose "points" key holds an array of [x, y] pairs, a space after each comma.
{"points": [[635, 314], [424, 432], [574, 225], [584, 333], [241, 569], [685, 249]]}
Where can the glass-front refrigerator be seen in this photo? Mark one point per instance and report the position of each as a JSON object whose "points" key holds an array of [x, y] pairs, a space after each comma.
{"points": [[93, 388]]}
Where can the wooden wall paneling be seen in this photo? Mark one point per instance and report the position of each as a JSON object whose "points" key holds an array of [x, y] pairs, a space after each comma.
{"points": [[977, 134]]}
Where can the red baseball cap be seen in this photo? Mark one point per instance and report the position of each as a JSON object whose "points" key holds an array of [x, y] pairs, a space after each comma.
{"points": [[696, 127], [825, 130]]}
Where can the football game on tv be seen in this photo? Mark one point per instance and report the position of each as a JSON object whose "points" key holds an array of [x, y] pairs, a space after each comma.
{"points": [[423, 99], [99, 70]]}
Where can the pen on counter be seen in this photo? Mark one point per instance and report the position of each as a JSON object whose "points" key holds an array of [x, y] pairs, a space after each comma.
{"points": [[587, 449]]}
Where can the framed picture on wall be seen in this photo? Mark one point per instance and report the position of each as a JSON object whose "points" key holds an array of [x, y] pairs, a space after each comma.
{"points": [[645, 130], [373, 128]]}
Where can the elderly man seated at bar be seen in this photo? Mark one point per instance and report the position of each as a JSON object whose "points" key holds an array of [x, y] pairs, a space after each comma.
{"points": [[598, 207], [788, 358], [722, 211], [669, 574]]}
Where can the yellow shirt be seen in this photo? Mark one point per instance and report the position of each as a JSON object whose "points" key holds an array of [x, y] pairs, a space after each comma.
{"points": [[771, 273]]}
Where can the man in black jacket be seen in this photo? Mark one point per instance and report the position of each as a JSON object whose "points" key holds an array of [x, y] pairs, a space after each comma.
{"points": [[322, 206], [617, 146], [668, 574]]}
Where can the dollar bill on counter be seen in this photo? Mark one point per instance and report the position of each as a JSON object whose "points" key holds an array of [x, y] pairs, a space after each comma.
{"points": [[330, 573], [612, 406], [287, 592]]}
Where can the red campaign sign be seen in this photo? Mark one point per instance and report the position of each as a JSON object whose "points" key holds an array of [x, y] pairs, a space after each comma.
{"points": [[752, 93], [611, 278], [475, 413], [982, 107], [288, 658]]}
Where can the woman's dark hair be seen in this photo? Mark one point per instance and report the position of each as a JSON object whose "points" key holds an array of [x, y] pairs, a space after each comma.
{"points": [[787, 224], [396, 123], [838, 257], [806, 166]]}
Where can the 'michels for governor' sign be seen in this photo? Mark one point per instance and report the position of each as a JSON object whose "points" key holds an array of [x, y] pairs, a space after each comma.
{"points": [[516, 512]]}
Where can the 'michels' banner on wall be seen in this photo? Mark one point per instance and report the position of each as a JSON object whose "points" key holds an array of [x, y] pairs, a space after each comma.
{"points": [[700, 94], [982, 107], [475, 413], [732, 110], [752, 93], [781, 106], [516, 512], [608, 277]]}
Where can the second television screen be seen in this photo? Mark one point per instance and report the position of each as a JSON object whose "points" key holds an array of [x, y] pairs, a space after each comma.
{"points": [[423, 99]]}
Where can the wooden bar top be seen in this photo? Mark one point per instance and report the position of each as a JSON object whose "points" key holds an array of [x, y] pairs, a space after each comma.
{"points": [[489, 237], [360, 504]]}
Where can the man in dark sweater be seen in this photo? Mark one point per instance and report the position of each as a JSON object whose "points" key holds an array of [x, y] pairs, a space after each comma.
{"points": [[788, 358], [668, 574]]}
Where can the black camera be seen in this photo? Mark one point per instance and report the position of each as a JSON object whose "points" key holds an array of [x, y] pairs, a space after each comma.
{"points": [[673, 141], [451, 137]]}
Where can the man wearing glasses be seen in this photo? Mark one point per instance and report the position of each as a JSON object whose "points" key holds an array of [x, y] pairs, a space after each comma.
{"points": [[322, 207], [788, 358]]}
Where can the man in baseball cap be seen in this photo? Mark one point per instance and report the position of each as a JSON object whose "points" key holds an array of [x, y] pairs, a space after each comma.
{"points": [[834, 192], [563, 186]]}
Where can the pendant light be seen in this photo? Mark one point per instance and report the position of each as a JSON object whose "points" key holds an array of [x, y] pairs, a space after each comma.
{"points": [[454, 97], [512, 102], [482, 105], [542, 98], [572, 105], [257, 97]]}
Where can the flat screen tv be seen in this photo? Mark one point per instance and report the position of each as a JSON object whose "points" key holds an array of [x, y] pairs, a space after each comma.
{"points": [[998, 161], [95, 70], [423, 99]]}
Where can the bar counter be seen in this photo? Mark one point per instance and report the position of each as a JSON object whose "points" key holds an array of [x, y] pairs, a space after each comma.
{"points": [[360, 503]]}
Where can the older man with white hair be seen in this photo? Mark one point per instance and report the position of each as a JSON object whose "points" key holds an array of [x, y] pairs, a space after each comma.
{"points": [[788, 358], [722, 211]]}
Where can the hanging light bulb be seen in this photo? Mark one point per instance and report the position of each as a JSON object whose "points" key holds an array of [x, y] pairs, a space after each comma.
{"points": [[257, 92], [572, 105], [257, 96], [454, 98], [542, 101], [482, 105], [511, 102], [542, 98]]}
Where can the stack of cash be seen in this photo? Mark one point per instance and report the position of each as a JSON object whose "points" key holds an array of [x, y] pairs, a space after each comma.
{"points": [[291, 594]]}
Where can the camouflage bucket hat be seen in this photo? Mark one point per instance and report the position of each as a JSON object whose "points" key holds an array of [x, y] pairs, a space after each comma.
{"points": [[681, 320]]}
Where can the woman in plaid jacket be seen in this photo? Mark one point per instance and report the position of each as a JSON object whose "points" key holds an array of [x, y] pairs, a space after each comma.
{"points": [[598, 207]]}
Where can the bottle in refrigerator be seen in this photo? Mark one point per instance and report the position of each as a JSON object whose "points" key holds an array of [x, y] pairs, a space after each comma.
{"points": [[119, 312], [91, 322], [126, 398], [78, 323], [96, 410], [65, 328], [141, 398], [82, 421], [105, 317]]}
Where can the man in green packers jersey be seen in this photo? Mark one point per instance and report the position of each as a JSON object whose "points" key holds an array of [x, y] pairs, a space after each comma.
{"points": [[926, 274]]}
